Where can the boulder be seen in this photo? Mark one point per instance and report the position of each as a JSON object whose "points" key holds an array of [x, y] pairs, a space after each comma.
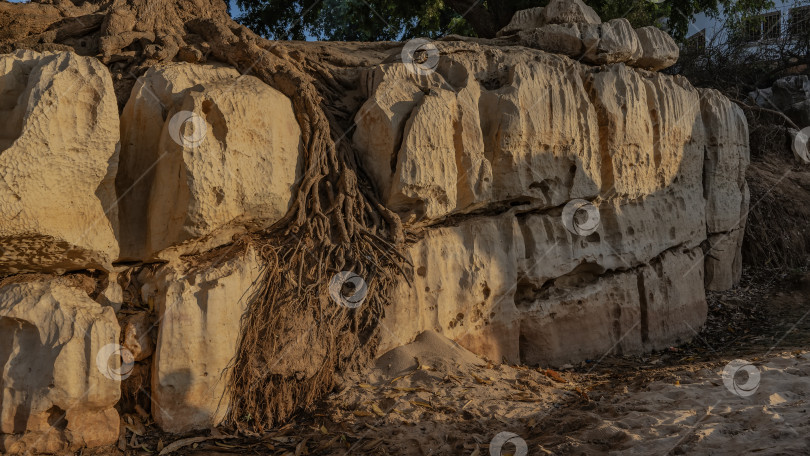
{"points": [[200, 310], [658, 49], [426, 168], [612, 42], [235, 142], [650, 131], [583, 36], [158, 90], [57, 393], [395, 108], [569, 12], [479, 137], [58, 159]]}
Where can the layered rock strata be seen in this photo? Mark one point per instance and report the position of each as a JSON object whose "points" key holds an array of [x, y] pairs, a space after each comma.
{"points": [[564, 202]]}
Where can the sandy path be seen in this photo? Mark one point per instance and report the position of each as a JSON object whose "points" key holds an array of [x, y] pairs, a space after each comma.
{"points": [[696, 414]]}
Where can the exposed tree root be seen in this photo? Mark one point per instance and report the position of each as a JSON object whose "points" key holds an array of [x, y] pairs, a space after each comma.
{"points": [[335, 224]]}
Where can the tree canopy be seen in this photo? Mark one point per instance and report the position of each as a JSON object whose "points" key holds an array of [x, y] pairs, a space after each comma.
{"points": [[376, 20]]}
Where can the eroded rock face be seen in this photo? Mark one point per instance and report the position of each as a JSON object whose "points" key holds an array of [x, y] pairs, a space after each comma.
{"points": [[490, 143], [572, 28], [614, 41], [235, 142], [481, 157], [727, 196], [658, 49], [463, 287], [55, 397], [154, 94], [58, 159], [200, 311], [660, 160]]}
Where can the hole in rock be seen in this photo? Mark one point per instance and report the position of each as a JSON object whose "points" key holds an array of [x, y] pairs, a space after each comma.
{"points": [[56, 418]]}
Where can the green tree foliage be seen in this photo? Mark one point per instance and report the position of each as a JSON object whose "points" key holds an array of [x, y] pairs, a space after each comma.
{"points": [[375, 20]]}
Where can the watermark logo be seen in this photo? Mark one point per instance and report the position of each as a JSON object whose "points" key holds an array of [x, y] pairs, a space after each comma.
{"points": [[501, 443], [107, 362], [800, 142], [420, 56], [348, 289], [187, 129], [581, 217], [741, 368]]}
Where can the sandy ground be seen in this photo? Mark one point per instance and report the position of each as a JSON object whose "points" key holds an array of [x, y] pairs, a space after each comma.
{"points": [[432, 397]]}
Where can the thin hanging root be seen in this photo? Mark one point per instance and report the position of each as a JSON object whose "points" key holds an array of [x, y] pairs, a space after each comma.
{"points": [[294, 338]]}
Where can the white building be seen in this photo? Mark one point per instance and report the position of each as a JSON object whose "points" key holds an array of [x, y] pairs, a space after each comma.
{"points": [[786, 18]]}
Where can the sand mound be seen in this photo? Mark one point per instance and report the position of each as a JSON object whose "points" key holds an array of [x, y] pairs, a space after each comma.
{"points": [[428, 349]]}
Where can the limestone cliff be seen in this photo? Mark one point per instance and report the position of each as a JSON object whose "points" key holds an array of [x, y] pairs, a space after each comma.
{"points": [[561, 200]]}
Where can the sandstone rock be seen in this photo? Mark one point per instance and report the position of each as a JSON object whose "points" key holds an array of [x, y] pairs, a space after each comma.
{"points": [[524, 20], [524, 288], [525, 131], [112, 294], [650, 131], [157, 91], [569, 12], [726, 160], [200, 311], [58, 158], [239, 169], [636, 147], [622, 313], [240, 175], [612, 42], [457, 149], [426, 163], [382, 123], [631, 233], [658, 49], [649, 124], [53, 390], [673, 311], [724, 260], [463, 288]]}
